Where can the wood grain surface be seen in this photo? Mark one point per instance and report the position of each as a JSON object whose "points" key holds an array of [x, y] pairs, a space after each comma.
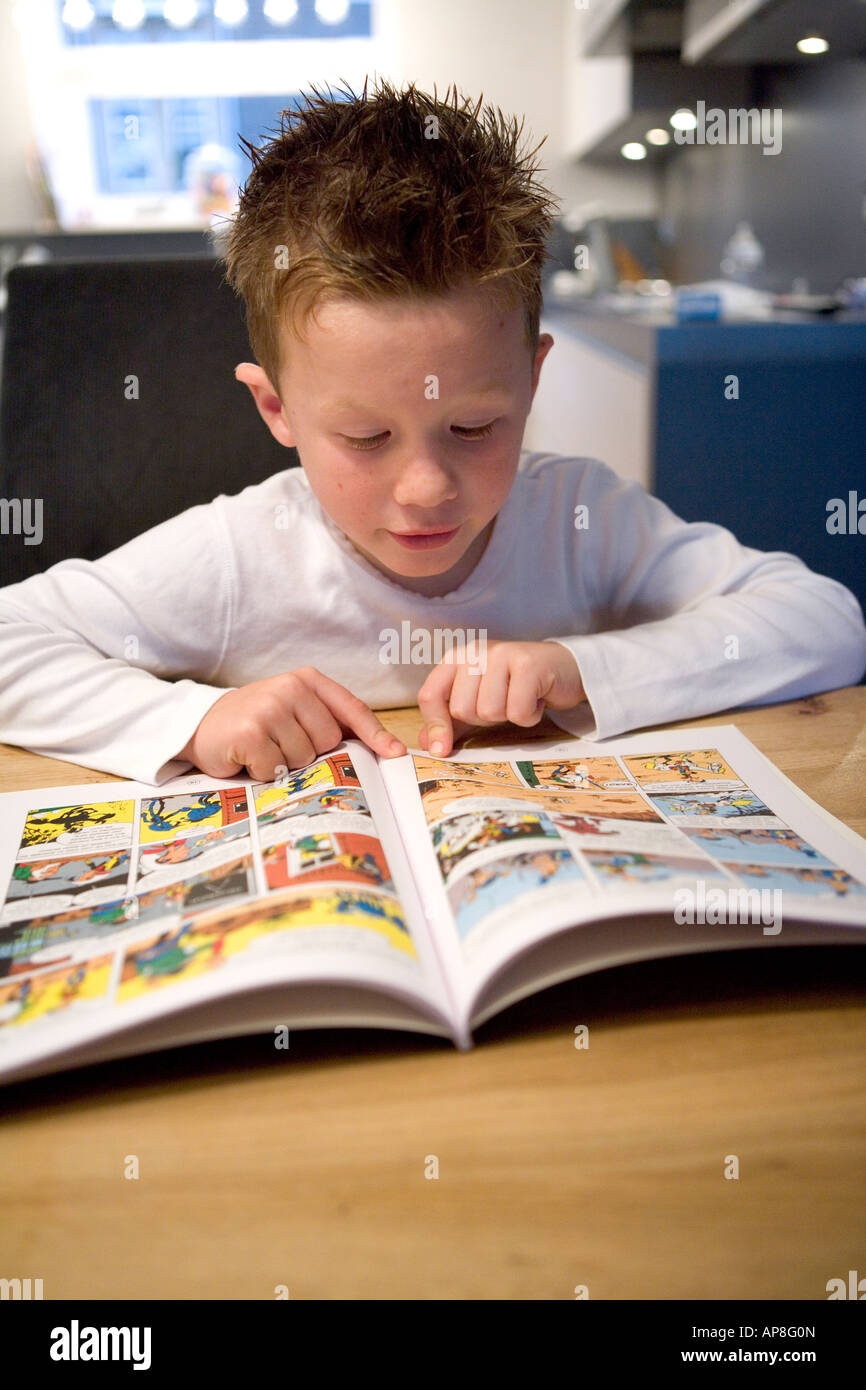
{"points": [[557, 1167]]}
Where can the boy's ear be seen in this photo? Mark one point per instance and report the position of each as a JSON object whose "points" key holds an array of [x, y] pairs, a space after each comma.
{"points": [[267, 401], [545, 343]]}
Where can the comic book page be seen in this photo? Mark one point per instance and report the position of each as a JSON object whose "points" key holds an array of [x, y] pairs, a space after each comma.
{"points": [[120, 904], [510, 845]]}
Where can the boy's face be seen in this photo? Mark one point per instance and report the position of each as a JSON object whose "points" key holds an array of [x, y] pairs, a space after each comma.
{"points": [[408, 417]]}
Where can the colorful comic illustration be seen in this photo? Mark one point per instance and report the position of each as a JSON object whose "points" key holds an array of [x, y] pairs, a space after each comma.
{"points": [[456, 838], [197, 945], [326, 857], [34, 942], [694, 765], [24, 999], [37, 941], [764, 845], [162, 855], [188, 813], [72, 877], [448, 796], [609, 832], [619, 869], [813, 882], [504, 881], [575, 774], [428, 769], [275, 799], [75, 829], [727, 804], [274, 805]]}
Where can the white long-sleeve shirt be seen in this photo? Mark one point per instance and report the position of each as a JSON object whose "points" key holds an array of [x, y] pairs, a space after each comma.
{"points": [[114, 662]]}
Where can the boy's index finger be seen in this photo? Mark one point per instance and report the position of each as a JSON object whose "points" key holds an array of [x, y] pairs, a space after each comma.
{"points": [[433, 704], [354, 714]]}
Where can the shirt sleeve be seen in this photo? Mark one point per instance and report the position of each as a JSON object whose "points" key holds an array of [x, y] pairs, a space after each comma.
{"points": [[684, 621], [108, 662]]}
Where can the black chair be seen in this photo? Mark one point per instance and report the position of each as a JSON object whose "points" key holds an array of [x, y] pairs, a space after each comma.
{"points": [[107, 467]]}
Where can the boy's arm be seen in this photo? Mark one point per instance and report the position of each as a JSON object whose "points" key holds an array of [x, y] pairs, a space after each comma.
{"points": [[88, 650], [690, 622]]}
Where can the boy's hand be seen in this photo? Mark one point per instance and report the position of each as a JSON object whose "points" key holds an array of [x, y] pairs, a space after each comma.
{"points": [[519, 680], [284, 721]]}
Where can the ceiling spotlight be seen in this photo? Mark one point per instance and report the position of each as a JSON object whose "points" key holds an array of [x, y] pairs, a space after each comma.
{"points": [[128, 14], [684, 120], [231, 11], [813, 45], [633, 150], [658, 136], [332, 11], [180, 14], [78, 14], [280, 11]]}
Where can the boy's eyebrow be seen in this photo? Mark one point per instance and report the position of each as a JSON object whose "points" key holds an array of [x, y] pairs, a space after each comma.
{"points": [[343, 402]]}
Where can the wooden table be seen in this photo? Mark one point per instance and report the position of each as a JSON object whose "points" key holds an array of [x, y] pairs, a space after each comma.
{"points": [[557, 1167]]}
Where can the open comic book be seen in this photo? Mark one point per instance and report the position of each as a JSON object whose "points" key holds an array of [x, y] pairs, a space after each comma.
{"points": [[416, 893]]}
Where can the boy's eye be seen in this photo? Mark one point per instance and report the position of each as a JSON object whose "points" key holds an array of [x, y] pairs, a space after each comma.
{"points": [[463, 431]]}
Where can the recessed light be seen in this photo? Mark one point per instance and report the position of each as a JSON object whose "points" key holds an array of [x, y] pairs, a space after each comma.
{"points": [[658, 136], [684, 120], [633, 150], [813, 44]]}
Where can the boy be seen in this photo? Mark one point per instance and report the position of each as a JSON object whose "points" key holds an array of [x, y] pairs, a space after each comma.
{"points": [[389, 250]]}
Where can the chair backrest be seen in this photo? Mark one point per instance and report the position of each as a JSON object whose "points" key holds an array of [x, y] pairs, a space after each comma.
{"points": [[119, 403]]}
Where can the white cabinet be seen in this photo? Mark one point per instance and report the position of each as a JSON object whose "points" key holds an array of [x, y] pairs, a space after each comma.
{"points": [[592, 401]]}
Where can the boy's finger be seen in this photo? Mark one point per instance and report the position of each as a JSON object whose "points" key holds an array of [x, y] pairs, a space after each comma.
{"points": [[355, 715], [433, 704]]}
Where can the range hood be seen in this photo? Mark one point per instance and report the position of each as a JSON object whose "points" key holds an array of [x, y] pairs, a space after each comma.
{"points": [[724, 31], [767, 31], [658, 86]]}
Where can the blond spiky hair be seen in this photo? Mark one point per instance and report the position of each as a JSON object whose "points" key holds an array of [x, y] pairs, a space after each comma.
{"points": [[381, 195]]}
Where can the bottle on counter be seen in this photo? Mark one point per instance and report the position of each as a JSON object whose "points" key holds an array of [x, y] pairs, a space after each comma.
{"points": [[742, 256]]}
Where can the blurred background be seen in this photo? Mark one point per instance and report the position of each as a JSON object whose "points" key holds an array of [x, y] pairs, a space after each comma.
{"points": [[706, 285]]}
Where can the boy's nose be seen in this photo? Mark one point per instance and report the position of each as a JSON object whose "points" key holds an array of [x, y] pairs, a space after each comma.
{"points": [[424, 483]]}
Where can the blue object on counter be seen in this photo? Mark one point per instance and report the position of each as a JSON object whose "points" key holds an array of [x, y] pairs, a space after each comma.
{"points": [[692, 305]]}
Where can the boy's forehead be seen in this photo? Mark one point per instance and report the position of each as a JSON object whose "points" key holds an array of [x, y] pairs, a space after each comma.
{"points": [[356, 333]]}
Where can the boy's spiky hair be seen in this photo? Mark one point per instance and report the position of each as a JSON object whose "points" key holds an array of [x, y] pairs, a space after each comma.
{"points": [[383, 195]]}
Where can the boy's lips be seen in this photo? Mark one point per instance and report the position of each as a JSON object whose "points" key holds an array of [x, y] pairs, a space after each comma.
{"points": [[423, 540]]}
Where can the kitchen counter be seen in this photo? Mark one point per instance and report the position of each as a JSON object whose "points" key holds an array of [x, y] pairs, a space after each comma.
{"points": [[646, 337], [755, 425]]}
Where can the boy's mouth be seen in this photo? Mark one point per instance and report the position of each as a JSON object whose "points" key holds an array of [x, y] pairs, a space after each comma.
{"points": [[423, 540]]}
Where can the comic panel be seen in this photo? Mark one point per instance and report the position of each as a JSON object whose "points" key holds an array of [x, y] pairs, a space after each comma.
{"points": [[830, 883], [459, 837], [575, 774], [452, 796], [327, 856], [47, 885], [166, 817], [69, 855], [748, 844], [594, 831], [166, 861], [715, 807], [35, 942], [70, 830], [274, 808], [38, 941], [502, 883], [69, 990], [660, 772], [319, 918], [330, 783], [430, 769], [630, 871]]}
